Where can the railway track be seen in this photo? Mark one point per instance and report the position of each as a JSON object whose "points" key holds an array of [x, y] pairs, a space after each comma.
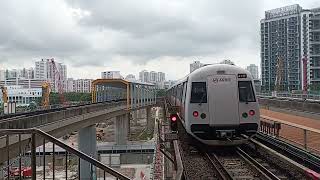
{"points": [[243, 162], [248, 161], [301, 156], [195, 164], [235, 163]]}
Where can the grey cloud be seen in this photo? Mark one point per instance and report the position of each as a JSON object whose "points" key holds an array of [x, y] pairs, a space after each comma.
{"points": [[30, 28], [137, 31], [173, 28]]}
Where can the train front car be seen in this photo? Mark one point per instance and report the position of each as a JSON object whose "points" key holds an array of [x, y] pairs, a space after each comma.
{"points": [[220, 105]]}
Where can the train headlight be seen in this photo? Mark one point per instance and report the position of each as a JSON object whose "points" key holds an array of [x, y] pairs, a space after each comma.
{"points": [[195, 114], [244, 115]]}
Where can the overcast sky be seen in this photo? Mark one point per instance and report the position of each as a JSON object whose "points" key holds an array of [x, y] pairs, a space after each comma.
{"points": [[91, 36]]}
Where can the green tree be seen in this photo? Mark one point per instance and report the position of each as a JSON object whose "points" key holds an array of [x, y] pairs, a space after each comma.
{"points": [[161, 93], [70, 97]]}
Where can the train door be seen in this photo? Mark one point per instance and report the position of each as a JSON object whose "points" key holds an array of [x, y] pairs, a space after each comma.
{"points": [[223, 100]]}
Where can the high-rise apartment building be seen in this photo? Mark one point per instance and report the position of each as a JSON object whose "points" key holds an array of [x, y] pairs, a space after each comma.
{"points": [[79, 85], [25, 83], [18, 73], [111, 75], [310, 48], [253, 69], [161, 77], [144, 76], [153, 77], [290, 48], [130, 77], [2, 75], [41, 69], [70, 85], [195, 65], [227, 61], [82, 85], [27, 73], [44, 69]]}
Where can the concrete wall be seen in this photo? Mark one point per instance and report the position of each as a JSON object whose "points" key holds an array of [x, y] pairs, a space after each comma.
{"points": [[313, 107]]}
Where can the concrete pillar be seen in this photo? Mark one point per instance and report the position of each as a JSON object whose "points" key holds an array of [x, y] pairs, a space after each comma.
{"points": [[148, 99], [122, 129], [142, 96], [138, 96], [135, 117], [131, 96], [135, 95], [87, 143], [150, 120]]}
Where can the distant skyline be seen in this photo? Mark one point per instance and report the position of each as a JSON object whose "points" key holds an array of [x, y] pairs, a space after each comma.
{"points": [[160, 35]]}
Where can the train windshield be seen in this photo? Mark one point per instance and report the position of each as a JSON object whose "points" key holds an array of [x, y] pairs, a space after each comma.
{"points": [[199, 92], [246, 93]]}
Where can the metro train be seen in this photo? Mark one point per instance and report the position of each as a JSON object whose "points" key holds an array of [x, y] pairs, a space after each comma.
{"points": [[217, 104]]}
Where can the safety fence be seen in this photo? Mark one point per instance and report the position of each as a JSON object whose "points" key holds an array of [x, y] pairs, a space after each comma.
{"points": [[34, 164], [291, 95], [302, 136]]}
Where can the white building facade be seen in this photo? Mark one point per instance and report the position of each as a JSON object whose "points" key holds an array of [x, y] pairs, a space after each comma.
{"points": [[44, 69], [161, 77], [79, 85], [82, 85], [23, 96], [2, 75], [25, 83], [144, 76], [153, 77], [227, 61], [111, 75], [195, 65], [254, 70], [290, 36], [131, 78]]}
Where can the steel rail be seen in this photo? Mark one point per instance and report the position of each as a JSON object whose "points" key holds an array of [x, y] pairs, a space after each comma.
{"points": [[261, 169], [179, 175], [308, 159], [223, 173]]}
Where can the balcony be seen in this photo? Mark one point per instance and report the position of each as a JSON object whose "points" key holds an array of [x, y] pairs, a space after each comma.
{"points": [[317, 29], [315, 18], [314, 54], [315, 79], [315, 42], [315, 67]]}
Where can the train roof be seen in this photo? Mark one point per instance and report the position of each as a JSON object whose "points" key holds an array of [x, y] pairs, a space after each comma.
{"points": [[213, 69]]}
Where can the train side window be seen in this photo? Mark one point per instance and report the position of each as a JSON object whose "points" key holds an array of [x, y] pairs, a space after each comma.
{"points": [[246, 93], [198, 92], [184, 92]]}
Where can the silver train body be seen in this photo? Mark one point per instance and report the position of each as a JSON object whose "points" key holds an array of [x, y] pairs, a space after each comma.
{"points": [[217, 104]]}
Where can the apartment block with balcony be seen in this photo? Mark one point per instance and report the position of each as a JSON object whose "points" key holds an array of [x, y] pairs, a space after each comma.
{"points": [[291, 34], [313, 20]]}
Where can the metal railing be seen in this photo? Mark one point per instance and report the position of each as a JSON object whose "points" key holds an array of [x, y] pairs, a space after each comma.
{"points": [[52, 108], [14, 168], [291, 95], [302, 136], [29, 109]]}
